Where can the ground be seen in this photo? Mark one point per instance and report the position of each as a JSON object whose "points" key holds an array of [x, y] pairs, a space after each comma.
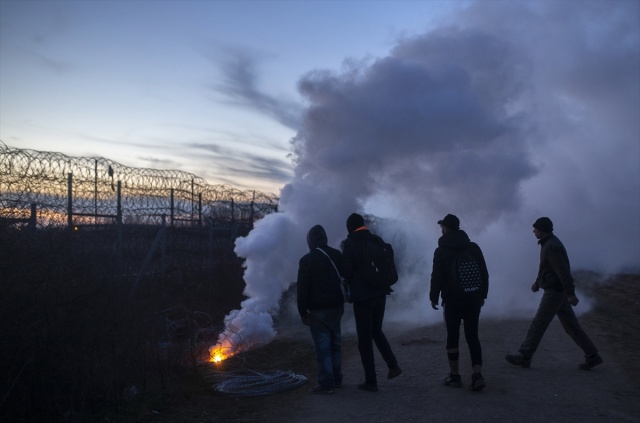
{"points": [[552, 390]]}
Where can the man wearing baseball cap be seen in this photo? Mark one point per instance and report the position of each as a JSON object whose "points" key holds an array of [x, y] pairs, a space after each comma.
{"points": [[559, 298], [459, 305]]}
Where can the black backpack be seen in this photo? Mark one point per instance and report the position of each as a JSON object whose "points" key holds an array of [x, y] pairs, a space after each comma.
{"points": [[466, 273], [379, 264]]}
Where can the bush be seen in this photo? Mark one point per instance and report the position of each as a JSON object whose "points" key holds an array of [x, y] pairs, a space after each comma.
{"points": [[99, 321]]}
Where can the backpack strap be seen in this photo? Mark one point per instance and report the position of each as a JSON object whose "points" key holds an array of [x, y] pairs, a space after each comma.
{"points": [[334, 265], [343, 287]]}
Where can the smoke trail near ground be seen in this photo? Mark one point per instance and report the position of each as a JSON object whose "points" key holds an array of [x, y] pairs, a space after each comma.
{"points": [[518, 110]]}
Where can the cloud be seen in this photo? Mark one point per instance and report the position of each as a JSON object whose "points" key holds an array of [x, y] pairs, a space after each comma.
{"points": [[239, 83], [241, 163]]}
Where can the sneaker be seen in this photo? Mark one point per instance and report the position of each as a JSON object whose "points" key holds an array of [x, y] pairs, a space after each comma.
{"points": [[591, 362], [368, 387], [394, 372], [322, 390], [518, 360], [453, 381], [477, 382]]}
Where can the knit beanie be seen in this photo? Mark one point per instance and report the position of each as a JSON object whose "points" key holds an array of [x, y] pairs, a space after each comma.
{"points": [[543, 224], [354, 222]]}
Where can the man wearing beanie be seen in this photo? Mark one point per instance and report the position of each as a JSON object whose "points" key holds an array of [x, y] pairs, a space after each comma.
{"points": [[554, 277], [369, 304], [459, 304]]}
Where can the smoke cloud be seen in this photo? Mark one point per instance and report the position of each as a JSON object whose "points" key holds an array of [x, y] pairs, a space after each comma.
{"points": [[516, 111]]}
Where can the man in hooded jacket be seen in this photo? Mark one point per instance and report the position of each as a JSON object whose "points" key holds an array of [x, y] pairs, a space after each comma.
{"points": [[321, 306], [369, 304], [458, 306]]}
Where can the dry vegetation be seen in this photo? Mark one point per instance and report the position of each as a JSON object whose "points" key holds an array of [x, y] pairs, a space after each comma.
{"points": [[101, 326]]}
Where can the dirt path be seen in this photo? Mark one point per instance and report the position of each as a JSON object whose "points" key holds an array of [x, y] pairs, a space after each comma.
{"points": [[552, 390]]}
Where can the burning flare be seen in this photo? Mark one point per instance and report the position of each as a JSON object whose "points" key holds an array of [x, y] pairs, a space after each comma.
{"points": [[216, 355], [244, 329], [221, 351]]}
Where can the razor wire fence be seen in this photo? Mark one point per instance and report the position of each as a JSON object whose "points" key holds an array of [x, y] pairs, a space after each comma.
{"points": [[49, 189]]}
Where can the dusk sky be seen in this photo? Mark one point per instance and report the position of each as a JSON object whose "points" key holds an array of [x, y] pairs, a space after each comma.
{"points": [[207, 87]]}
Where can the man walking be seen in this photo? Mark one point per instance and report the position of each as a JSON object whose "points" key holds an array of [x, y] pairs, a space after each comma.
{"points": [[321, 306], [369, 304], [460, 276], [554, 277]]}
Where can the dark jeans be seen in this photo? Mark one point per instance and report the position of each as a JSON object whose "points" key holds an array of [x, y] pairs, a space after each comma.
{"points": [[555, 303], [467, 310], [369, 315], [325, 331]]}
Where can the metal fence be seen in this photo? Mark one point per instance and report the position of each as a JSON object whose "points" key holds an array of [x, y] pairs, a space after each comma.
{"points": [[48, 189]]}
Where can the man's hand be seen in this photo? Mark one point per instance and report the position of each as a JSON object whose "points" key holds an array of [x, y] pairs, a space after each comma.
{"points": [[535, 287], [434, 306], [305, 320], [573, 300]]}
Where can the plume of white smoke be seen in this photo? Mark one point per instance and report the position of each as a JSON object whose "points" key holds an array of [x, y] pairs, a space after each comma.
{"points": [[518, 111]]}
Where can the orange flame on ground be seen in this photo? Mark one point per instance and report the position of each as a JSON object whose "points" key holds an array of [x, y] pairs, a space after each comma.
{"points": [[216, 355], [221, 351]]}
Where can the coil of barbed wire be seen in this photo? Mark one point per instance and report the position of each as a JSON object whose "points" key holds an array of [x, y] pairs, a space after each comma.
{"points": [[255, 383]]}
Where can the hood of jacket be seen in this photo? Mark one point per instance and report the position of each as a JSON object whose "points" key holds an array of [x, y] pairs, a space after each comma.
{"points": [[316, 237]]}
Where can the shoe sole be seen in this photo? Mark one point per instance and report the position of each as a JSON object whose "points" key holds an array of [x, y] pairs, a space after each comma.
{"points": [[452, 384], [478, 388], [524, 365], [584, 366]]}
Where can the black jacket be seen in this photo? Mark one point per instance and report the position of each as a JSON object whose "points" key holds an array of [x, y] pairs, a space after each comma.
{"points": [[555, 271], [353, 251], [442, 278], [318, 281]]}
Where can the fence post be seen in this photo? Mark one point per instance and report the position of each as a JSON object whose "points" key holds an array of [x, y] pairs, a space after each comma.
{"points": [[32, 218], [119, 204], [171, 208], [70, 200], [95, 192], [200, 209], [253, 199], [233, 212]]}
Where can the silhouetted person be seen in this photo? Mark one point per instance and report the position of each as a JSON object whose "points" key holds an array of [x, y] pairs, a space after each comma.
{"points": [[460, 302], [369, 304], [321, 306], [554, 277]]}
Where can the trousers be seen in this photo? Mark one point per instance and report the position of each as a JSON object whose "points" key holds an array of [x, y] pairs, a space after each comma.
{"points": [[325, 331], [369, 315], [555, 303], [467, 310]]}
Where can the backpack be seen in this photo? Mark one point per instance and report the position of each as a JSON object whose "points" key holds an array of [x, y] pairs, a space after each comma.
{"points": [[379, 268], [466, 273]]}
